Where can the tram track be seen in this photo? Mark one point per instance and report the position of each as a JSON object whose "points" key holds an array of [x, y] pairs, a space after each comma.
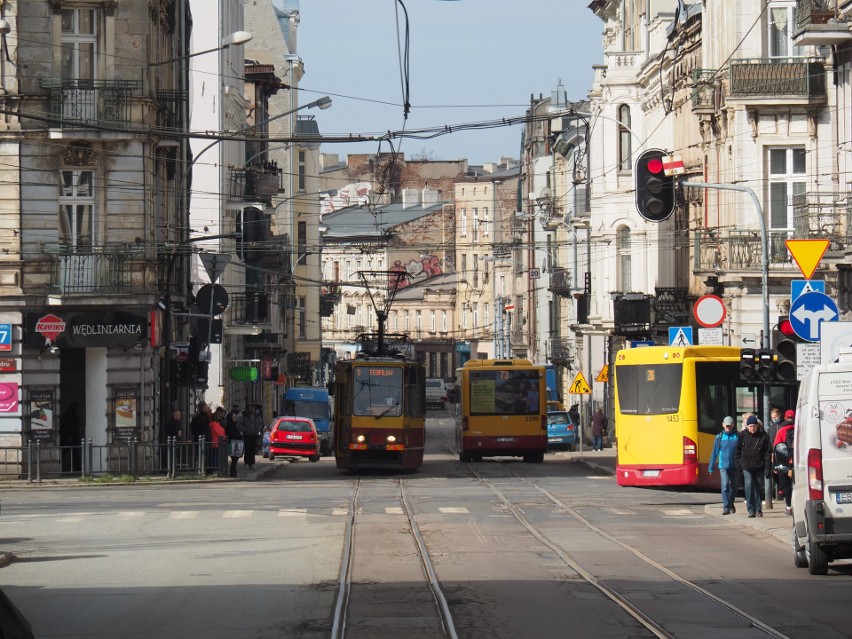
{"points": [[341, 620], [636, 611]]}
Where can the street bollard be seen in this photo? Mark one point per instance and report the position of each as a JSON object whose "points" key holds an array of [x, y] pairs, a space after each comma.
{"points": [[84, 463], [202, 457], [38, 462], [170, 457], [30, 461]]}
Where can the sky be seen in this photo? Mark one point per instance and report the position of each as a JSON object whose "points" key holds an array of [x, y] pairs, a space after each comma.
{"points": [[470, 61]]}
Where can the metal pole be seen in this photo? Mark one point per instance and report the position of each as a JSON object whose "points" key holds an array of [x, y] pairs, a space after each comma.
{"points": [[30, 461], [764, 272]]}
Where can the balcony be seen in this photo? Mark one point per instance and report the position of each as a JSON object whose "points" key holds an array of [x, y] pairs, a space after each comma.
{"points": [[169, 108], [560, 281], [817, 24], [824, 215], [95, 270], [251, 308], [559, 351], [706, 91], [776, 81], [739, 250], [518, 337], [672, 306], [77, 102], [256, 183]]}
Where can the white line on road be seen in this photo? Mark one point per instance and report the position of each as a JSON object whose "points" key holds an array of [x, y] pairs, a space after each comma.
{"points": [[452, 510], [237, 514]]}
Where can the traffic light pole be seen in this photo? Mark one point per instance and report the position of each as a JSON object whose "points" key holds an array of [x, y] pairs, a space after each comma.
{"points": [[764, 272]]}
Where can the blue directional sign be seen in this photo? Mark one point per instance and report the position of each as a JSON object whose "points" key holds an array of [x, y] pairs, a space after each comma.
{"points": [[680, 336], [808, 311], [5, 337], [800, 287]]}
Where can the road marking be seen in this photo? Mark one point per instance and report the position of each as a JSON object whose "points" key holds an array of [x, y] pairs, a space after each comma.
{"points": [[394, 511], [292, 512], [455, 511], [133, 514], [619, 511], [340, 512], [69, 520], [183, 514], [237, 514]]}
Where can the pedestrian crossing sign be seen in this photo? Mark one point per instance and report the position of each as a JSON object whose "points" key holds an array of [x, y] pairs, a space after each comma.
{"points": [[680, 336], [580, 386], [603, 376]]}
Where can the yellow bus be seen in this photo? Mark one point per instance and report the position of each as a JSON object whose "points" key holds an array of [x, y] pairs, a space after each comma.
{"points": [[502, 411], [669, 406]]}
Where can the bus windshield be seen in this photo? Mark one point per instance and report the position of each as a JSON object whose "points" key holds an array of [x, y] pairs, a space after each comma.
{"points": [[504, 392], [649, 389], [302, 408], [377, 391]]}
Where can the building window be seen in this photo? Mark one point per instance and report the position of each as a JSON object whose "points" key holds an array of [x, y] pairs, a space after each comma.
{"points": [[464, 317], [622, 248], [486, 222], [433, 323], [476, 316], [419, 317], [485, 322], [781, 23], [301, 242], [475, 229], [444, 321], [79, 44], [786, 180], [77, 203], [463, 227], [475, 270], [625, 151], [302, 318], [407, 322], [302, 171], [395, 321]]}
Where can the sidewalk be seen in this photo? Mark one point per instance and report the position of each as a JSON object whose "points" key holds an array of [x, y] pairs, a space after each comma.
{"points": [[774, 522]]}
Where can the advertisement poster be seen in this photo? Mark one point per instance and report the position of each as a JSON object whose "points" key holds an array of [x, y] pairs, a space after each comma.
{"points": [[8, 397], [482, 396], [126, 402], [41, 414]]}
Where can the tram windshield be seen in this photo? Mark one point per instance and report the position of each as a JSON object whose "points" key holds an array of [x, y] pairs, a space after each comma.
{"points": [[377, 391]]}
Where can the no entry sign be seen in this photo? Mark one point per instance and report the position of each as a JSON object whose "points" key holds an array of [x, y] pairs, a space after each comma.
{"points": [[709, 311]]}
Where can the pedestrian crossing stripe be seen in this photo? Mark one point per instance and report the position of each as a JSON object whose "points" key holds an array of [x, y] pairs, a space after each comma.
{"points": [[580, 386], [603, 376]]}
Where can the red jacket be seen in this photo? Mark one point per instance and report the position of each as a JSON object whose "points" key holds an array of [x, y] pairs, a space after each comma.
{"points": [[216, 431]]}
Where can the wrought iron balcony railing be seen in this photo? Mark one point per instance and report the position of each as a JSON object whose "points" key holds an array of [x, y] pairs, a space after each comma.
{"points": [[809, 12], [169, 108], [95, 270], [518, 337], [560, 281], [818, 23], [251, 308], [559, 350], [824, 215], [720, 250], [73, 102], [706, 92], [256, 184], [771, 78]]}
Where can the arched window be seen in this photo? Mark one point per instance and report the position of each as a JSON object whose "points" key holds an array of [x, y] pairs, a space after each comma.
{"points": [[622, 249], [625, 153]]}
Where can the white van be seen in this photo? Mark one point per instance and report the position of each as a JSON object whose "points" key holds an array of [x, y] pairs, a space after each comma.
{"points": [[822, 458]]}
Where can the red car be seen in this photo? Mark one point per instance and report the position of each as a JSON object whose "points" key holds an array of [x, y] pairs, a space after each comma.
{"points": [[294, 437]]}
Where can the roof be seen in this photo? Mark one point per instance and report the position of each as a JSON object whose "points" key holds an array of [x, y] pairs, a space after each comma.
{"points": [[360, 221]]}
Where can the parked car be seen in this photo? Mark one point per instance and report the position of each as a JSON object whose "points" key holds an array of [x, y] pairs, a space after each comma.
{"points": [[294, 437], [561, 430], [436, 393]]}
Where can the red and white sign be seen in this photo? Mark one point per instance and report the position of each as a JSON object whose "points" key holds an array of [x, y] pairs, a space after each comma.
{"points": [[508, 307], [673, 165], [8, 397], [709, 311], [51, 327], [8, 364]]}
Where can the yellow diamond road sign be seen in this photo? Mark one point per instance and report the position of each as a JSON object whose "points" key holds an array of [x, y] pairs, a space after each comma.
{"points": [[580, 386], [603, 376], [807, 254]]}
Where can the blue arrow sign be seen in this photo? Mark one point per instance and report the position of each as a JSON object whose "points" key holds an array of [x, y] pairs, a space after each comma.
{"points": [[808, 311], [800, 287], [680, 336]]}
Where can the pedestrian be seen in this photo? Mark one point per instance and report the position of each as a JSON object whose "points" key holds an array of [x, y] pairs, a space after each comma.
{"points": [[754, 459], [785, 435], [217, 432], [724, 457], [250, 424], [174, 425], [199, 425], [574, 413], [532, 397], [521, 404], [599, 426], [776, 416], [236, 446]]}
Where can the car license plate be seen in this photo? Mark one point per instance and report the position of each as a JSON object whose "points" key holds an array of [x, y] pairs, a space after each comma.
{"points": [[650, 473], [503, 440], [553, 439], [843, 498], [294, 437]]}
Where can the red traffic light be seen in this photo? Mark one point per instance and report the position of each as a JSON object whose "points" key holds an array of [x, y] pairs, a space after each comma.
{"points": [[786, 328], [654, 165]]}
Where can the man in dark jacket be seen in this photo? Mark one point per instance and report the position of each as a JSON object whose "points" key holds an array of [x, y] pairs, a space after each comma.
{"points": [[753, 458], [250, 424]]}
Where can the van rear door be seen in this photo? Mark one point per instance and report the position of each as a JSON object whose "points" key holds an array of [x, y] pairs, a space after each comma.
{"points": [[835, 415]]}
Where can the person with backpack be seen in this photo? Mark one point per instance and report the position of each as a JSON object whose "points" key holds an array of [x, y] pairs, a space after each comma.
{"points": [[784, 466], [724, 458]]}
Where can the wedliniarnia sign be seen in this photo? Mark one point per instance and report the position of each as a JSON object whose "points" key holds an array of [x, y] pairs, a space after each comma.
{"points": [[79, 329]]}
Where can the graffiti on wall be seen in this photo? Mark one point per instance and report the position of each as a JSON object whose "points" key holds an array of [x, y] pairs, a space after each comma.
{"points": [[416, 271]]}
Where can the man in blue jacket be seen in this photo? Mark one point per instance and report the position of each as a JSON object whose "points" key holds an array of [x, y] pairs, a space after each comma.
{"points": [[724, 458]]}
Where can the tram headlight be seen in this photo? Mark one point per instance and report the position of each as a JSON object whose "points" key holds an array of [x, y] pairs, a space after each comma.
{"points": [[391, 439], [360, 439]]}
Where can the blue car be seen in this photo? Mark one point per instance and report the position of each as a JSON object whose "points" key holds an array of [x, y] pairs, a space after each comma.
{"points": [[561, 431]]}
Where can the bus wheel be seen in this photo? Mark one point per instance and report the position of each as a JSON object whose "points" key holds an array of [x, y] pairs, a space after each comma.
{"points": [[534, 458], [464, 457]]}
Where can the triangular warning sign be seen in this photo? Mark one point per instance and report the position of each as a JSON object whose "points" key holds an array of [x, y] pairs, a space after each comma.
{"points": [[603, 376], [579, 386], [807, 254]]}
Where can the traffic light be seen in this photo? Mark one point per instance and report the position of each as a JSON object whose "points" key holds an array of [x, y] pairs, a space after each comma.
{"points": [[784, 342], [655, 192], [748, 365], [765, 365]]}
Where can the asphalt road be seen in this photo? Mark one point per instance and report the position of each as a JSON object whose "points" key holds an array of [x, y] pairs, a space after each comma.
{"points": [[518, 550]]}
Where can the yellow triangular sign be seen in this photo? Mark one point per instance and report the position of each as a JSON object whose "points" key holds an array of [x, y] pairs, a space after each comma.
{"points": [[580, 386], [603, 376], [807, 254]]}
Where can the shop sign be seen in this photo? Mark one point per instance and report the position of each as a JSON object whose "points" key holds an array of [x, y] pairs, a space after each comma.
{"points": [[79, 329], [9, 397], [8, 364], [42, 412], [125, 404], [243, 373]]}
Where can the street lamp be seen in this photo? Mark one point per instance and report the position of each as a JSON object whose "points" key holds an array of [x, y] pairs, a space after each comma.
{"points": [[236, 38]]}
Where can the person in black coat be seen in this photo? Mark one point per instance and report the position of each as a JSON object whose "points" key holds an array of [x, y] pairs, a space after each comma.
{"points": [[754, 453], [232, 432]]}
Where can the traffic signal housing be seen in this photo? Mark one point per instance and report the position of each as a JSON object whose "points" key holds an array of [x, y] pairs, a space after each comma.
{"points": [[655, 192], [748, 365], [784, 341], [765, 365]]}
